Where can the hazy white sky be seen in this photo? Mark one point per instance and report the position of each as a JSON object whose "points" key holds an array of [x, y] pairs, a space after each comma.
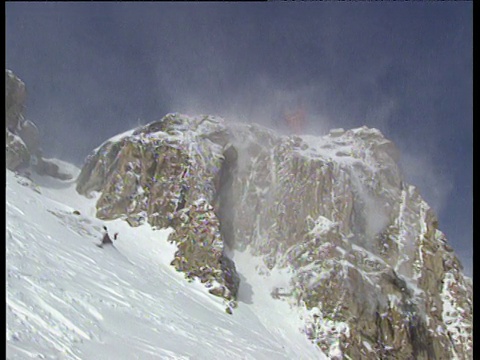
{"points": [[95, 69]]}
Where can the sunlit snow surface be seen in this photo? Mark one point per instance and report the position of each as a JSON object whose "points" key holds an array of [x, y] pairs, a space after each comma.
{"points": [[69, 299]]}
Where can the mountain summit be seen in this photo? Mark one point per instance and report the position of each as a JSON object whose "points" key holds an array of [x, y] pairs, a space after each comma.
{"points": [[363, 253]]}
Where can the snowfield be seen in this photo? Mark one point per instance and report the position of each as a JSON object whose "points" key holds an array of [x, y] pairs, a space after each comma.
{"points": [[69, 299]]}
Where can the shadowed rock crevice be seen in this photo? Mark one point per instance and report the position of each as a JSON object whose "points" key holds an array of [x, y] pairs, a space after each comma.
{"points": [[224, 200]]}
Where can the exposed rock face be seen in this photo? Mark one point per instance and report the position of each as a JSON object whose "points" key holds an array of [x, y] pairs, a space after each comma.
{"points": [[15, 96], [364, 248], [21, 135], [166, 173], [368, 263], [17, 153]]}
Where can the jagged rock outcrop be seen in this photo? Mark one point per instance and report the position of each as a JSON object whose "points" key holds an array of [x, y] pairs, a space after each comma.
{"points": [[367, 262], [166, 173], [21, 135], [15, 96], [17, 153], [363, 247]]}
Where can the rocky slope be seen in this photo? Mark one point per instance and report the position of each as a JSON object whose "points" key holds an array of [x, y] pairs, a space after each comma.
{"points": [[166, 173], [367, 261], [22, 138]]}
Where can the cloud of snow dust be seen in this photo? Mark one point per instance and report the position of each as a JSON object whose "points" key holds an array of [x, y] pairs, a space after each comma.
{"points": [[433, 184], [376, 215], [84, 73], [372, 212], [104, 68], [260, 102]]}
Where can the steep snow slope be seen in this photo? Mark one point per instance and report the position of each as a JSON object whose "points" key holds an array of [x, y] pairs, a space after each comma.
{"points": [[68, 299]]}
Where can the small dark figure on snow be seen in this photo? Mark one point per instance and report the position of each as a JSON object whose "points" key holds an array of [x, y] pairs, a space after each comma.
{"points": [[106, 238]]}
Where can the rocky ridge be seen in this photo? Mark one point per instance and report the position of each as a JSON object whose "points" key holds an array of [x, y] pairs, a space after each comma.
{"points": [[368, 262]]}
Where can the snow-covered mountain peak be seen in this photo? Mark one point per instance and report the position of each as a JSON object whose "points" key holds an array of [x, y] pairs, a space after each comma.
{"points": [[332, 211], [276, 241]]}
